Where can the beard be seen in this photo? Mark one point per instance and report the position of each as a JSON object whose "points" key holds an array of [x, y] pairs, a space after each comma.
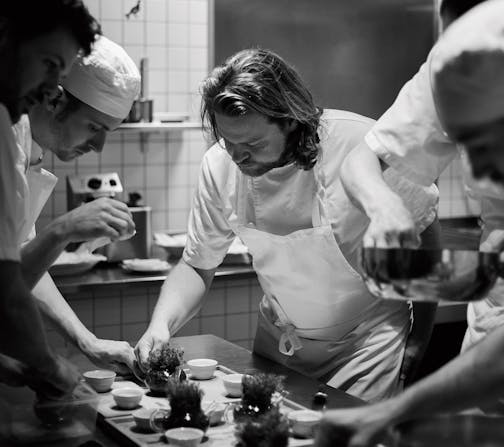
{"points": [[254, 169]]}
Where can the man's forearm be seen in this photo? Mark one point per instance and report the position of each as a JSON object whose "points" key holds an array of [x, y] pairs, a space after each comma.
{"points": [[181, 296], [40, 253], [54, 306], [471, 379], [362, 178], [22, 334]]}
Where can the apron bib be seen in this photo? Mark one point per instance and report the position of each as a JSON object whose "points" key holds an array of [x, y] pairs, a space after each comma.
{"points": [[316, 315]]}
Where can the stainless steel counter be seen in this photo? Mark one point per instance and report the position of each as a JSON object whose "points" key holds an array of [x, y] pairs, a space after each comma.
{"points": [[105, 275]]}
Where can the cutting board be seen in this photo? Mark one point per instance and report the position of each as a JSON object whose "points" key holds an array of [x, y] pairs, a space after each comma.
{"points": [[125, 431]]}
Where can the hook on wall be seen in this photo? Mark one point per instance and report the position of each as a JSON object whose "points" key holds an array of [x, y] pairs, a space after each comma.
{"points": [[134, 11]]}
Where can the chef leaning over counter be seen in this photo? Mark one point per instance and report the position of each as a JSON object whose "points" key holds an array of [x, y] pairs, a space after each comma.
{"points": [[272, 179], [36, 49], [94, 98], [410, 137], [466, 68]]}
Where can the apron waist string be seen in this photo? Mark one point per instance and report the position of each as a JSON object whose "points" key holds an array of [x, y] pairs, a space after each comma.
{"points": [[289, 341]]}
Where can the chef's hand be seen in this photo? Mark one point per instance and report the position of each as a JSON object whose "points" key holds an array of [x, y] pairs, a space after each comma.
{"points": [[494, 242], [103, 217], [391, 225], [55, 380], [356, 427], [111, 354], [152, 339]]}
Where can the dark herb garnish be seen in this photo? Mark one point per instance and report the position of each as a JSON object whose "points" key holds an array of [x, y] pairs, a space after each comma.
{"points": [[268, 430]]}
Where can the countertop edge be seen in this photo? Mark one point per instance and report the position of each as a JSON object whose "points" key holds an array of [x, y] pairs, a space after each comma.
{"points": [[104, 277]]}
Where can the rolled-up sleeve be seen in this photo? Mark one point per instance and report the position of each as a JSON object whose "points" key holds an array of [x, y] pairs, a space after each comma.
{"points": [[209, 234], [409, 136], [9, 191]]}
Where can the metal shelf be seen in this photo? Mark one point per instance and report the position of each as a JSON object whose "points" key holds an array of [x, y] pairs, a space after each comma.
{"points": [[157, 127]]}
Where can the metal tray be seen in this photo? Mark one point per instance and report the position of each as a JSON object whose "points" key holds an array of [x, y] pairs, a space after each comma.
{"points": [[123, 428]]}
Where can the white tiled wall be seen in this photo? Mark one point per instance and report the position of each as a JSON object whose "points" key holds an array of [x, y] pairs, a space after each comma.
{"points": [[173, 34], [229, 311]]}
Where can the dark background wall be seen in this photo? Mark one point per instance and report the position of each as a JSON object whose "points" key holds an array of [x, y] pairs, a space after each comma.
{"points": [[354, 54]]}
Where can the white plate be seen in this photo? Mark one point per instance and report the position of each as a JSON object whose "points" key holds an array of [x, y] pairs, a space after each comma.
{"points": [[146, 265]]}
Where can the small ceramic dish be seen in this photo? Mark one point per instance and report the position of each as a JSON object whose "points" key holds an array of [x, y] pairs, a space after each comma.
{"points": [[127, 398], [142, 418], [304, 422], [184, 436], [233, 384], [214, 410], [100, 380], [202, 369]]}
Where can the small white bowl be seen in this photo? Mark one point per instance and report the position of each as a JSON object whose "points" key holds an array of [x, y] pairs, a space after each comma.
{"points": [[214, 410], [184, 436], [127, 398], [202, 369], [142, 418], [100, 380], [233, 384], [304, 422]]}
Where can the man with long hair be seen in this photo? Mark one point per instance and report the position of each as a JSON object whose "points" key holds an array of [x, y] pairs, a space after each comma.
{"points": [[272, 179]]}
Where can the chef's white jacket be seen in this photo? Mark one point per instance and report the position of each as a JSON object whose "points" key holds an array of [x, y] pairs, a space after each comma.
{"points": [[13, 189]]}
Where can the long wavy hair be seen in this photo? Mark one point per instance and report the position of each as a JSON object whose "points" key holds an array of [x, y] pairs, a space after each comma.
{"points": [[260, 81]]}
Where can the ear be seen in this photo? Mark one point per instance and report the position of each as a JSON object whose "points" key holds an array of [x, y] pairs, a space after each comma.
{"points": [[56, 102], [290, 125]]}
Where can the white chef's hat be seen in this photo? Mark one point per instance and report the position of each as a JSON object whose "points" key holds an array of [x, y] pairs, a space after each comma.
{"points": [[107, 80], [468, 68]]}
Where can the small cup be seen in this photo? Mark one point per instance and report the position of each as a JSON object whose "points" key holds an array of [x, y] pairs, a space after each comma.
{"points": [[184, 436], [214, 410], [127, 398], [100, 380], [202, 369], [304, 422], [142, 418], [233, 384]]}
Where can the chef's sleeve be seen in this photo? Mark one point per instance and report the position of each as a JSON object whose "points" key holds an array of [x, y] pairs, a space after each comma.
{"points": [[208, 234], [10, 197], [409, 136]]}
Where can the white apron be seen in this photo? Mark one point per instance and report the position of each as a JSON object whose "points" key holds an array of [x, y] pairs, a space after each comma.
{"points": [[317, 316]]}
